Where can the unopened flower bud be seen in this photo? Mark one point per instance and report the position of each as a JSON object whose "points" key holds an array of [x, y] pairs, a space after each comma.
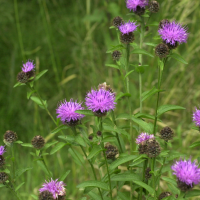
{"points": [[10, 136], [38, 142], [153, 148], [162, 50], [139, 10], [117, 21], [111, 151], [142, 148], [2, 161], [90, 137], [166, 133], [3, 177], [99, 133], [154, 6], [164, 194], [147, 174], [116, 55], [127, 38]]}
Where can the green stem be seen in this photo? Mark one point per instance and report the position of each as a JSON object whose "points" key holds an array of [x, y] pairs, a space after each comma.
{"points": [[13, 191], [153, 177], [45, 165]]}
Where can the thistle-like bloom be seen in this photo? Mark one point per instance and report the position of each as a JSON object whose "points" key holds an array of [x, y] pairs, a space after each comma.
{"points": [[55, 187], [127, 27], [2, 150], [173, 32], [100, 100], [143, 137], [133, 4], [187, 172], [66, 111], [196, 117], [28, 66]]}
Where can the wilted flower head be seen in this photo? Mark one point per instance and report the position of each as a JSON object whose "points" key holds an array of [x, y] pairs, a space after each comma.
{"points": [[28, 66], [187, 172], [100, 100], [127, 27], [173, 32], [143, 137], [2, 150], [196, 117], [66, 111], [133, 4], [55, 187]]}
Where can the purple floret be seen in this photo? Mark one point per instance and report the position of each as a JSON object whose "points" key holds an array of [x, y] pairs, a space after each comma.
{"points": [[28, 66], [100, 100], [2, 150], [66, 111], [127, 27], [196, 117], [173, 32], [55, 187], [133, 4], [143, 137], [187, 172]]}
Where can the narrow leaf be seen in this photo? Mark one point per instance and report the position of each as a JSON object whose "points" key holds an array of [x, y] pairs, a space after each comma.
{"points": [[30, 93], [59, 128], [47, 145], [27, 145], [112, 65], [126, 176], [18, 84], [178, 57], [114, 48], [20, 185], [80, 140], [98, 184], [147, 127], [166, 108], [85, 112], [128, 73], [94, 196], [57, 147], [43, 167], [195, 144], [193, 193], [40, 74], [63, 177], [141, 51], [95, 151], [169, 180], [78, 158], [145, 186], [149, 93], [151, 44], [121, 94], [19, 172]]}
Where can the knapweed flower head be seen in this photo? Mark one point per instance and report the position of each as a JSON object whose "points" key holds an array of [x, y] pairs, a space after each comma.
{"points": [[28, 66], [57, 188], [127, 27], [173, 32], [187, 171], [144, 137], [66, 111], [196, 117], [2, 150], [134, 4], [100, 100]]}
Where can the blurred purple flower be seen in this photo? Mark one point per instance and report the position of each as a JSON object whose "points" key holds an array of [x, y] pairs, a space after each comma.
{"points": [[28, 66], [187, 172], [173, 32], [133, 4], [143, 137], [55, 187], [196, 117], [127, 27], [66, 111], [2, 150]]}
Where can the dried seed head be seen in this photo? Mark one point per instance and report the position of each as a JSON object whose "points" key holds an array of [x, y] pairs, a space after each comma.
{"points": [[171, 46], [22, 77], [3, 177], [164, 194], [162, 50], [38, 142], [162, 23], [139, 11], [99, 133], [111, 151], [117, 21], [116, 55], [147, 174], [142, 149], [154, 6], [166, 133], [10, 136], [2, 161], [46, 195], [183, 186], [127, 38], [153, 148], [90, 137]]}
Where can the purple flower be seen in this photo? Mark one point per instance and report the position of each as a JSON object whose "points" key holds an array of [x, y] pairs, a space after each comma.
{"points": [[55, 187], [66, 111], [196, 117], [186, 171], [143, 137], [173, 32], [2, 150], [28, 66], [127, 27], [133, 4], [100, 100]]}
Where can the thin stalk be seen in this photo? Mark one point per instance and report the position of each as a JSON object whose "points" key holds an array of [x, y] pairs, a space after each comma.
{"points": [[153, 177], [13, 191], [45, 165]]}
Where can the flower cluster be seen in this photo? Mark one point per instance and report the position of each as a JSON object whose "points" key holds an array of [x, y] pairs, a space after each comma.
{"points": [[134, 4], [127, 27], [28, 66]]}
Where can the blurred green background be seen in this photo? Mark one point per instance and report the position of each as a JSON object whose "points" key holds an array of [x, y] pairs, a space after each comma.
{"points": [[70, 39]]}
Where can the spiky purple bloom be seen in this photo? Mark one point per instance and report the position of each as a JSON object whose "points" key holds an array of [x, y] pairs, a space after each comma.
{"points": [[196, 117], [173, 32], [143, 137], [186, 171], [2, 150], [127, 27], [100, 100], [133, 4], [66, 111], [28, 66], [55, 187]]}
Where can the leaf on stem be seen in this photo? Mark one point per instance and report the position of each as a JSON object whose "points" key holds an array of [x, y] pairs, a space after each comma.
{"points": [[98, 184], [38, 76], [95, 151], [63, 177], [57, 147], [165, 108], [149, 93], [59, 128], [85, 112], [114, 48], [18, 84], [121, 94], [178, 57], [141, 51], [112, 65]]}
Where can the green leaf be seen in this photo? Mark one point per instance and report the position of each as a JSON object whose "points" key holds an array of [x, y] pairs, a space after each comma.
{"points": [[145, 186], [121, 94], [37, 101], [43, 167], [40, 74], [70, 139], [18, 142], [193, 193], [123, 196], [57, 147], [6, 171], [27, 145], [112, 65], [85, 112], [59, 128], [20, 185], [166, 108], [19, 172], [145, 15], [120, 161], [126, 176], [147, 127], [195, 144], [63, 177], [124, 116], [128, 73], [94, 196], [178, 57], [149, 93], [98, 184], [34, 196], [95, 151], [18, 84], [169, 180], [80, 140], [47, 145], [77, 157], [114, 48], [30, 93], [140, 68], [141, 51], [151, 44], [2, 185], [111, 27], [147, 116], [153, 24]]}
